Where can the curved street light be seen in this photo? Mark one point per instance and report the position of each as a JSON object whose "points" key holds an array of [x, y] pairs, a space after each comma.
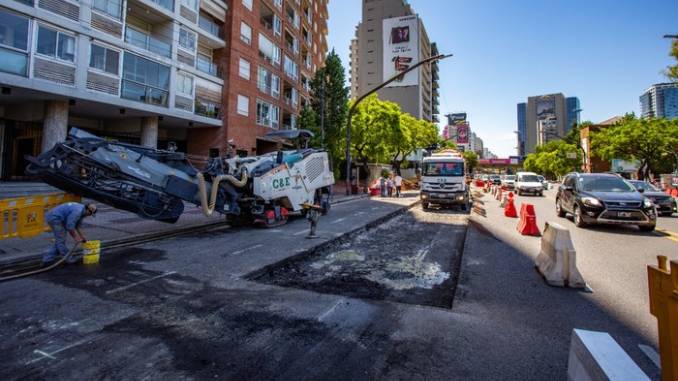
{"points": [[362, 97]]}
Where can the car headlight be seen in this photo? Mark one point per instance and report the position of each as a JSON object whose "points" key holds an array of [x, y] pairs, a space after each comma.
{"points": [[590, 201], [647, 203]]}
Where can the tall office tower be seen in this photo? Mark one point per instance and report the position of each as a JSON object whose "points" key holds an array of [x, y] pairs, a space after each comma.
{"points": [[551, 111], [522, 128], [390, 38], [660, 101], [573, 112]]}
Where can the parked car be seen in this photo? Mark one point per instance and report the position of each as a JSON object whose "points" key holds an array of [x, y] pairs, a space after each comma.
{"points": [[496, 179], [599, 198], [543, 182], [528, 182], [509, 181], [664, 202]]}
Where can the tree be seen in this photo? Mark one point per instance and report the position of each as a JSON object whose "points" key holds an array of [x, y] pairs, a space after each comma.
{"points": [[471, 159], [373, 125], [651, 142], [672, 71], [554, 159], [328, 87], [308, 120]]}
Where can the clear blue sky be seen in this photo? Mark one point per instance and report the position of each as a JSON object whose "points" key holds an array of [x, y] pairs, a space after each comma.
{"points": [[606, 52]]}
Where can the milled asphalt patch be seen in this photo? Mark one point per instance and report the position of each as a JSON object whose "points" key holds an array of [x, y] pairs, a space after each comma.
{"points": [[411, 258]]}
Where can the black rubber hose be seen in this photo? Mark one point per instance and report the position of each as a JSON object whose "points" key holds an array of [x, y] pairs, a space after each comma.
{"points": [[44, 269]]}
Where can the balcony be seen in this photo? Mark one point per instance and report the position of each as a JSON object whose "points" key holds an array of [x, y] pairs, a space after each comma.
{"points": [[207, 24], [208, 67], [167, 4], [148, 42], [143, 93], [207, 108]]}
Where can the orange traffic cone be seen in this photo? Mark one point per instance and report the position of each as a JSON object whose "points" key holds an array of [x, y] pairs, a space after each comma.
{"points": [[528, 220], [510, 208]]}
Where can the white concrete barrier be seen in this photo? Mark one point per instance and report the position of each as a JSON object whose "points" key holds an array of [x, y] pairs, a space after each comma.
{"points": [[596, 356], [504, 200], [557, 259]]}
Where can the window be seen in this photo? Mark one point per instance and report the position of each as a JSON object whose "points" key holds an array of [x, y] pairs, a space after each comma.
{"points": [[245, 33], [267, 114], [145, 80], [247, 4], [275, 86], [184, 84], [291, 68], [112, 8], [56, 44], [243, 105], [190, 4], [187, 40], [278, 3], [277, 25], [13, 43], [268, 50], [244, 68], [268, 82], [204, 63], [104, 59]]}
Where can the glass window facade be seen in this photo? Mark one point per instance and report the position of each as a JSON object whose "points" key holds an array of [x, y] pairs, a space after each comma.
{"points": [[112, 8], [187, 39], [55, 44], [104, 59], [268, 115], [144, 80], [184, 84], [13, 43]]}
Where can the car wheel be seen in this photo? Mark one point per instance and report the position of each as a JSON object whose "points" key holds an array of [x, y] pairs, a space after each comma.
{"points": [[647, 228], [559, 209], [424, 205], [541, 194], [518, 192], [578, 219]]}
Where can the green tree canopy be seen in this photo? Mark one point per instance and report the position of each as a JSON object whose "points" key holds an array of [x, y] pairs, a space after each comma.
{"points": [[554, 159], [652, 142], [328, 87], [672, 71], [372, 127], [471, 159]]}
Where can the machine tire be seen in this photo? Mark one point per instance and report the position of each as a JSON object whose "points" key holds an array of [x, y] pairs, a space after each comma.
{"points": [[559, 209]]}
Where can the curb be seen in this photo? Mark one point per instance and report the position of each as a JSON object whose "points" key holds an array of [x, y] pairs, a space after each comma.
{"points": [[36, 258], [254, 275]]}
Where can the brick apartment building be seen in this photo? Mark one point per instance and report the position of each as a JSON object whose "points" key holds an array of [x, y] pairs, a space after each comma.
{"points": [[273, 49]]}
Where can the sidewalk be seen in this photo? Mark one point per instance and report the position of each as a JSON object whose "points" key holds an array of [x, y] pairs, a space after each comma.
{"points": [[111, 224]]}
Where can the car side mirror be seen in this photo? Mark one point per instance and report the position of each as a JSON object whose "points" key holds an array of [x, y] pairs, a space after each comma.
{"points": [[567, 188], [641, 190]]}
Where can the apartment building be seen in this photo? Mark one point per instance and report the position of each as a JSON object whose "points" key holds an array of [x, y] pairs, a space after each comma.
{"points": [[274, 48], [139, 71], [371, 63], [194, 72]]}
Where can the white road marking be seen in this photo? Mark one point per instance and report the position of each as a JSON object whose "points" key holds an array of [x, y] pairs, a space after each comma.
{"points": [[246, 249], [338, 220], [325, 314], [51, 355], [375, 207], [651, 354], [301, 232], [140, 282]]}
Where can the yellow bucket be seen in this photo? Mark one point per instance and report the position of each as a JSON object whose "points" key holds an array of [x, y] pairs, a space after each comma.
{"points": [[90, 252]]}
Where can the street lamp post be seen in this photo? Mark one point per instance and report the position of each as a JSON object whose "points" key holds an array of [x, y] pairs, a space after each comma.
{"points": [[362, 97]]}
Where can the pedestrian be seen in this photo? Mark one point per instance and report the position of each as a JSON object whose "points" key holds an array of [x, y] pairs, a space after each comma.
{"points": [[389, 185], [398, 184], [66, 218], [382, 185]]}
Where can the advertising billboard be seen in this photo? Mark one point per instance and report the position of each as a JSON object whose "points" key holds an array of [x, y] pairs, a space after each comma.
{"points": [[462, 133], [401, 49], [455, 118]]}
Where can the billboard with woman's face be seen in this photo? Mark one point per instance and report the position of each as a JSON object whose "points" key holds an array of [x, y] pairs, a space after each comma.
{"points": [[401, 49]]}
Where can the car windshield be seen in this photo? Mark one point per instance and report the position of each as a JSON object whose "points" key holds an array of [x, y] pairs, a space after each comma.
{"points": [[443, 169], [541, 178], [510, 177], [604, 184], [529, 178], [644, 185], [495, 177]]}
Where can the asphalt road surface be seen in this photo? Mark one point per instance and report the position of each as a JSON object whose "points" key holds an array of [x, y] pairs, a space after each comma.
{"points": [[194, 307], [612, 259]]}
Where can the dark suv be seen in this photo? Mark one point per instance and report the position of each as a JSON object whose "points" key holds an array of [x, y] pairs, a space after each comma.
{"points": [[599, 198]]}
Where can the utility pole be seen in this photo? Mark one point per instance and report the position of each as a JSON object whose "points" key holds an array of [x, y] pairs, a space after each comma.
{"points": [[362, 97], [322, 111]]}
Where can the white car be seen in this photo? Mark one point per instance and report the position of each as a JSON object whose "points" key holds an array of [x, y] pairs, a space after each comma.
{"points": [[528, 183], [509, 181]]}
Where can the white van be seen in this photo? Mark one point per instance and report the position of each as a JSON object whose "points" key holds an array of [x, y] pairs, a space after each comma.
{"points": [[528, 183]]}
